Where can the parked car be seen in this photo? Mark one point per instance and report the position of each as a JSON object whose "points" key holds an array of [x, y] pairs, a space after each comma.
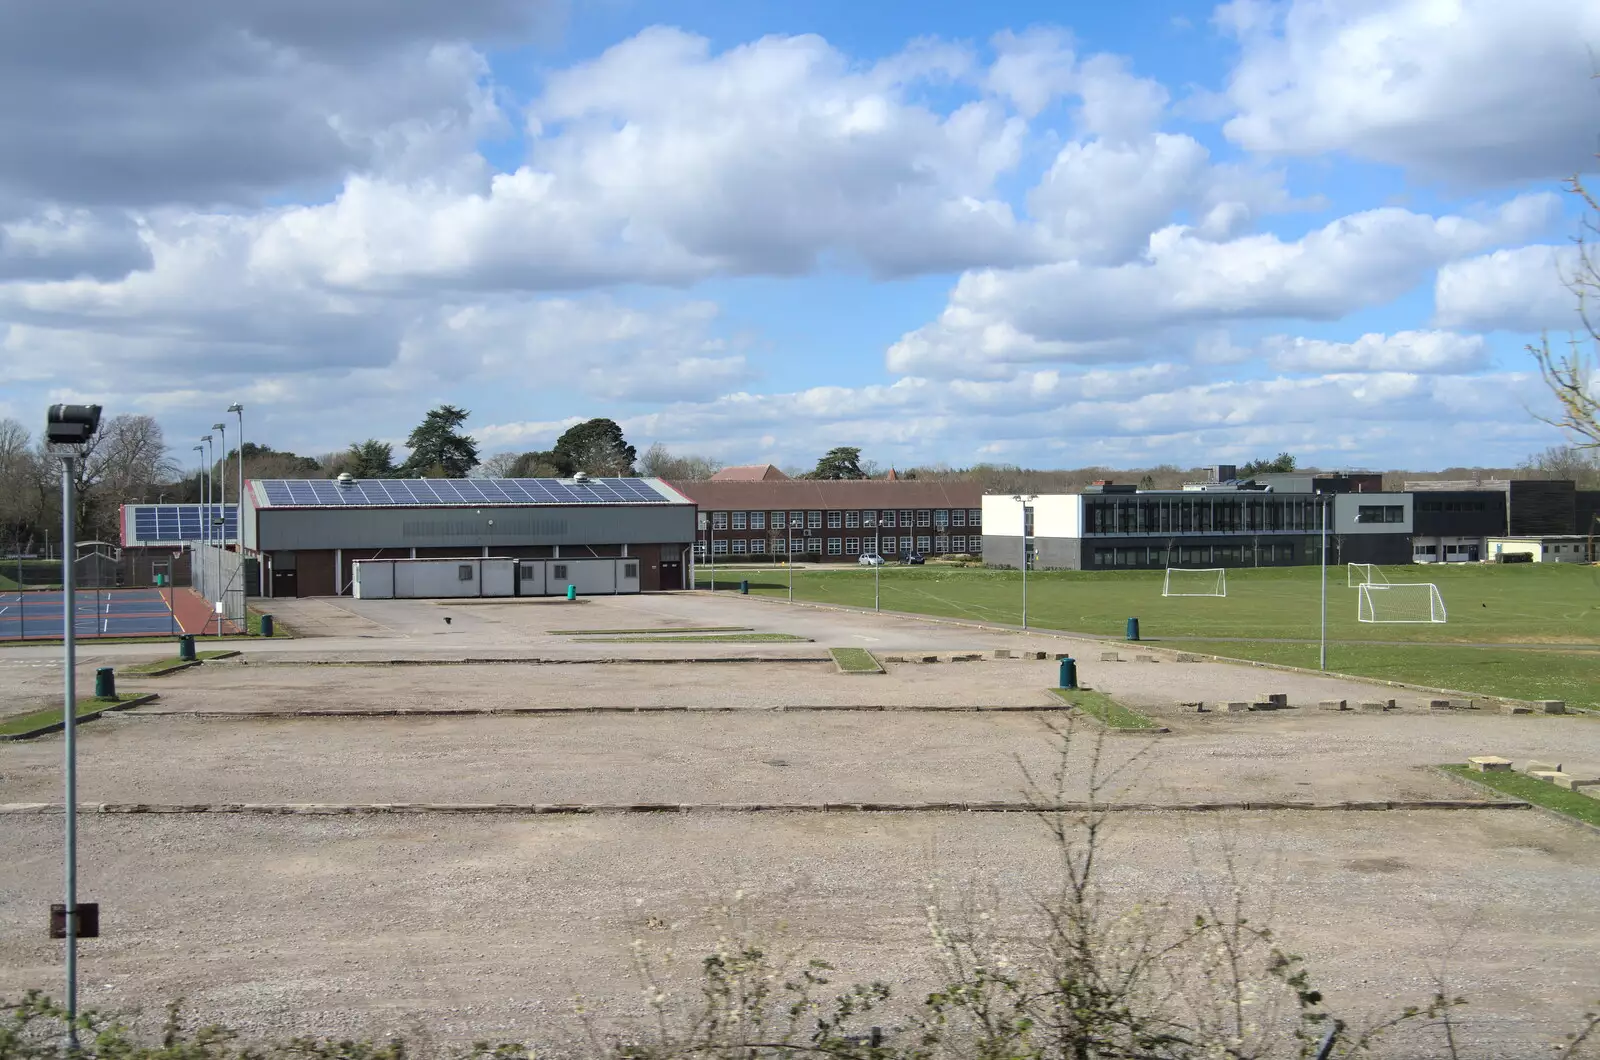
{"points": [[870, 559], [912, 559]]}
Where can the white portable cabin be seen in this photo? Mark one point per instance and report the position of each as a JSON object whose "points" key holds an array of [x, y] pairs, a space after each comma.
{"points": [[423, 579], [589, 576], [409, 579]]}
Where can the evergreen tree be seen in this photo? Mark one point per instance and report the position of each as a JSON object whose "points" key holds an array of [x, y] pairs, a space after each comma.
{"points": [[370, 459], [438, 448], [595, 446], [841, 462]]}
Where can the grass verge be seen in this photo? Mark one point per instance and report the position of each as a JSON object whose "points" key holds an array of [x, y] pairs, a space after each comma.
{"points": [[168, 663], [1104, 709], [705, 638], [20, 723], [658, 629], [1541, 793], [1573, 676], [855, 661]]}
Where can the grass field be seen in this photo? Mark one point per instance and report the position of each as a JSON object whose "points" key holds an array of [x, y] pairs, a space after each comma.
{"points": [[1272, 615]]}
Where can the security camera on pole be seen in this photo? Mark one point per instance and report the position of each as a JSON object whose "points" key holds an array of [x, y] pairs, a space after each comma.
{"points": [[68, 429]]}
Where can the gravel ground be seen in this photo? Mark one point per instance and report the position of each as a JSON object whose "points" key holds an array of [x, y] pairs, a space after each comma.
{"points": [[767, 757], [487, 926], [247, 687]]}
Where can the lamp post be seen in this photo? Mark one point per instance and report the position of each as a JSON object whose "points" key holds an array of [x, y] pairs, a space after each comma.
{"points": [[1322, 656], [238, 518], [871, 523], [205, 489], [1027, 515], [68, 428]]}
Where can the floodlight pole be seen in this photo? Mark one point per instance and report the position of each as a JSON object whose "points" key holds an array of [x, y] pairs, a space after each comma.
{"points": [[69, 728], [1024, 502], [238, 518], [1322, 657]]}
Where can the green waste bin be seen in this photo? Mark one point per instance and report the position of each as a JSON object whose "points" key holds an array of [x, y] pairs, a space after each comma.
{"points": [[1133, 629], [105, 683], [744, 587], [572, 592], [186, 647], [266, 625]]}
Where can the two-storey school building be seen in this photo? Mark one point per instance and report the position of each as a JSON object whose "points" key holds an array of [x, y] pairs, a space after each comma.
{"points": [[834, 521]]}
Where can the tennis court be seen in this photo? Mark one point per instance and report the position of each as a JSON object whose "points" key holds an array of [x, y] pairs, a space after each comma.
{"points": [[96, 613]]}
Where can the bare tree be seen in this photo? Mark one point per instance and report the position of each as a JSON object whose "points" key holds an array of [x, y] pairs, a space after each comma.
{"points": [[659, 462], [119, 465], [497, 466], [1581, 465], [1571, 375]]}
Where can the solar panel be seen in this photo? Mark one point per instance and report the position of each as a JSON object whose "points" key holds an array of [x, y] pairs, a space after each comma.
{"points": [[447, 492], [177, 523]]}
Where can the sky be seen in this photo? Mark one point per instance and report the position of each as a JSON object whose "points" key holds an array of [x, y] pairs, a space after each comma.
{"points": [[1052, 234]]}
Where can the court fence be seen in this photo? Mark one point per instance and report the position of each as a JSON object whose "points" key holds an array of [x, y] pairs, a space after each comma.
{"points": [[126, 568], [219, 575]]}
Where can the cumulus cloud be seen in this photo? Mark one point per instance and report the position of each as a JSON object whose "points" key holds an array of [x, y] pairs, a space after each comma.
{"points": [[1522, 289], [171, 102], [1362, 260], [1404, 351], [58, 244], [1467, 90]]}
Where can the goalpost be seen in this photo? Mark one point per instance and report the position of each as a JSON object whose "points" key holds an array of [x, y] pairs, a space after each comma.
{"points": [[1417, 602], [1189, 581], [1359, 574]]}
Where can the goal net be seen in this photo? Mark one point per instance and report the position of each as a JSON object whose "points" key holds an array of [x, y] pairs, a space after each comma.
{"points": [[1359, 574], [1186, 581], [1419, 602]]}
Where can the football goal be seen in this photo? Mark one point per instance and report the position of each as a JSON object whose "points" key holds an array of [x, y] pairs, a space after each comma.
{"points": [[1417, 602], [1359, 574], [1187, 581]]}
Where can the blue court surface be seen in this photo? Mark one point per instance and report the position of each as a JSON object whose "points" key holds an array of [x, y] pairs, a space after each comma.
{"points": [[97, 613]]}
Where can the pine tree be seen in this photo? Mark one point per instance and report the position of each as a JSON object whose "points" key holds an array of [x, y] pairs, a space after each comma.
{"points": [[438, 448]]}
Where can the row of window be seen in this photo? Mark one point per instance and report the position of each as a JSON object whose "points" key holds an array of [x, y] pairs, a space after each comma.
{"points": [[852, 520], [1195, 555], [1451, 506], [848, 546], [1380, 513], [1176, 515]]}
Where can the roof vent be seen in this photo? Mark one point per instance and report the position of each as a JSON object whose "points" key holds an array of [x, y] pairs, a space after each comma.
{"points": [[346, 480], [580, 478]]}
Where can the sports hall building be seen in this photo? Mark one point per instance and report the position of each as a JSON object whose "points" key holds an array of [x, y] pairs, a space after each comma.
{"points": [[308, 533], [755, 518]]}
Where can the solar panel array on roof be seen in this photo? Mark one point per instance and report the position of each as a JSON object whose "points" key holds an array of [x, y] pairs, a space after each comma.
{"points": [[434, 492], [174, 523]]}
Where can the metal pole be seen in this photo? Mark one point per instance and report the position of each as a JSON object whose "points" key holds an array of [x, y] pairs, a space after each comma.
{"points": [[69, 720], [1322, 658], [238, 518]]}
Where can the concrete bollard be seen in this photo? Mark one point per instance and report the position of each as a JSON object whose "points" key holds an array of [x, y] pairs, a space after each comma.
{"points": [[1110, 656], [1542, 767], [1237, 708], [1553, 706], [1489, 764], [1374, 707], [1332, 704], [1002, 653]]}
